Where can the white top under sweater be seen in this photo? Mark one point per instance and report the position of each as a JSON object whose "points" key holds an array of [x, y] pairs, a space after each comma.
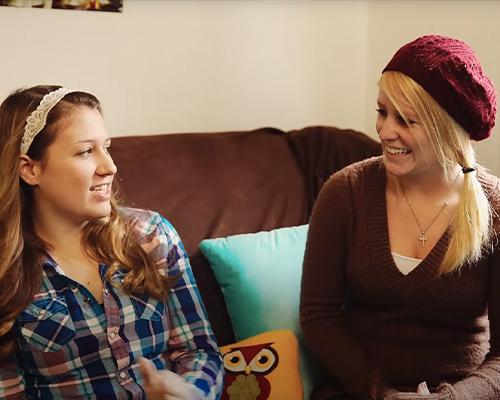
{"points": [[405, 264]]}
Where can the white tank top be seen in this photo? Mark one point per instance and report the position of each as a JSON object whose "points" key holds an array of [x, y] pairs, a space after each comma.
{"points": [[405, 264]]}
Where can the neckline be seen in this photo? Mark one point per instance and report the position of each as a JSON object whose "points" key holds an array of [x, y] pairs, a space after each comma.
{"points": [[405, 257], [378, 231]]}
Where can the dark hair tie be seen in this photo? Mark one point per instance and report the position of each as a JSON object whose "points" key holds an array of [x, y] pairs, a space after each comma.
{"points": [[466, 170]]}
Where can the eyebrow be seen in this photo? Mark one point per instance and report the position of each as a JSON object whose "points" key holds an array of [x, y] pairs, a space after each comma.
{"points": [[93, 140], [411, 114]]}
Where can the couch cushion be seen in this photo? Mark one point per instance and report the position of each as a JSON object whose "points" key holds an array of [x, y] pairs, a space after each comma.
{"points": [[210, 185]]}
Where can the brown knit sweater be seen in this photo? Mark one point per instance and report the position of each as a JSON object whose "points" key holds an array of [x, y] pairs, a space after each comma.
{"points": [[368, 323]]}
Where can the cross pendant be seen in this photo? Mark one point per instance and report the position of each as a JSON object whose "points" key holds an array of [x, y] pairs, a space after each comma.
{"points": [[423, 239]]}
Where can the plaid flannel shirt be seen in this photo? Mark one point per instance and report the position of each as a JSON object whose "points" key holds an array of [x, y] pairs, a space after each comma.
{"points": [[72, 347]]}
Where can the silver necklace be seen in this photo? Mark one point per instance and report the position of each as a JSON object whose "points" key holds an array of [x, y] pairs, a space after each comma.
{"points": [[422, 239]]}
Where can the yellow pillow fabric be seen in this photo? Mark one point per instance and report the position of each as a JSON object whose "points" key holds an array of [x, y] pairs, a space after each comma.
{"points": [[263, 367]]}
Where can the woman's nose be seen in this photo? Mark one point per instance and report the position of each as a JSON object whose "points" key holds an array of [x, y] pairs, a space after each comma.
{"points": [[106, 165], [387, 129]]}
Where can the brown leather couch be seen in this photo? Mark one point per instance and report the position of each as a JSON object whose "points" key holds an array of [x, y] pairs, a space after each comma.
{"points": [[219, 184]]}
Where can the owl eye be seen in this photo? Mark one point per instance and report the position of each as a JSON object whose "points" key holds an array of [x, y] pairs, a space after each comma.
{"points": [[234, 361], [263, 361]]}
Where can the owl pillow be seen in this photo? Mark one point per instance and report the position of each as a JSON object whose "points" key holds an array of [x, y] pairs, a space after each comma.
{"points": [[264, 366]]}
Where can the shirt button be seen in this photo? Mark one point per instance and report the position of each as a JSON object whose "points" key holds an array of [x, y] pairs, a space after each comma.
{"points": [[112, 335], [41, 313], [123, 374], [106, 291]]}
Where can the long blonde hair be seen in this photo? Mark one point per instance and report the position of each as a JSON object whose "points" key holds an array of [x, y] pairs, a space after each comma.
{"points": [[110, 240], [471, 226]]}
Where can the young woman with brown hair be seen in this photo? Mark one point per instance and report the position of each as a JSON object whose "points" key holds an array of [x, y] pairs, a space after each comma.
{"points": [[97, 301]]}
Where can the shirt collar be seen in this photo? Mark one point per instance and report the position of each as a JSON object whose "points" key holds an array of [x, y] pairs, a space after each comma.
{"points": [[50, 266]]}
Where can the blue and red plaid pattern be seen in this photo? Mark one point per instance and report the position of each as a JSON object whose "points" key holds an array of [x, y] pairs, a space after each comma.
{"points": [[72, 347]]}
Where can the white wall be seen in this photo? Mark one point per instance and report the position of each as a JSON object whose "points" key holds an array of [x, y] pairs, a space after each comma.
{"points": [[196, 66], [170, 66]]}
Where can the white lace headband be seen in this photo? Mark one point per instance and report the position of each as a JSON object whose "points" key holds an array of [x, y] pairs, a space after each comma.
{"points": [[37, 119]]}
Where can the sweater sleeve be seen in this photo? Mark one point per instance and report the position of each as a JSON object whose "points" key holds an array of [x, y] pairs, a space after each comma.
{"points": [[323, 289]]}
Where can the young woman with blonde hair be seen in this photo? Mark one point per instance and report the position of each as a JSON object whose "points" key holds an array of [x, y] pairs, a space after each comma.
{"points": [[401, 282], [97, 301]]}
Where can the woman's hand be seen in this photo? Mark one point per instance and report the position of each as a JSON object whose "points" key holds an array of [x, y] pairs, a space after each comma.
{"points": [[423, 389], [166, 385]]}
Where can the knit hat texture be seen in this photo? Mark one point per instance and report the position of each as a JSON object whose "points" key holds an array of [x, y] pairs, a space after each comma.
{"points": [[449, 70]]}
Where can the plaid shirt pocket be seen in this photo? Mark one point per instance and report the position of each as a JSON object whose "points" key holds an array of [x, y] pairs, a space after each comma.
{"points": [[46, 324], [148, 308]]}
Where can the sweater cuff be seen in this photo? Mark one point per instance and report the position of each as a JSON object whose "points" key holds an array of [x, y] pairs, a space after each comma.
{"points": [[447, 390], [444, 392], [415, 396]]}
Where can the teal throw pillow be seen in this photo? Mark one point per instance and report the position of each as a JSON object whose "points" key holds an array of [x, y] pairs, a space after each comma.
{"points": [[259, 274]]}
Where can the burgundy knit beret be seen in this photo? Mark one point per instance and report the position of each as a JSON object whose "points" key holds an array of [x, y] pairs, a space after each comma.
{"points": [[450, 72]]}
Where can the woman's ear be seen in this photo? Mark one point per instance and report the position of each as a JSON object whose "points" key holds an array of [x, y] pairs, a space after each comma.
{"points": [[29, 170]]}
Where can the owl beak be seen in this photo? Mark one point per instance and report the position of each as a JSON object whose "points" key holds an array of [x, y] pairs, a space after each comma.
{"points": [[248, 370]]}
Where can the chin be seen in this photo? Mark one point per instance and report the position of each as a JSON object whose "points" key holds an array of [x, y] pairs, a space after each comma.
{"points": [[103, 211], [398, 169]]}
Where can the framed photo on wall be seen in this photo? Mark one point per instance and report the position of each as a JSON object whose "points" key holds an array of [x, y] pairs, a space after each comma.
{"points": [[86, 5]]}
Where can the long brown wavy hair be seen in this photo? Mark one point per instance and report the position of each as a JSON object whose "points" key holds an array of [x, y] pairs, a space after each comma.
{"points": [[110, 240]]}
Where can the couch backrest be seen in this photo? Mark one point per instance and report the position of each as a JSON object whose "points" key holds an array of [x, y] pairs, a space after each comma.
{"points": [[219, 184]]}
